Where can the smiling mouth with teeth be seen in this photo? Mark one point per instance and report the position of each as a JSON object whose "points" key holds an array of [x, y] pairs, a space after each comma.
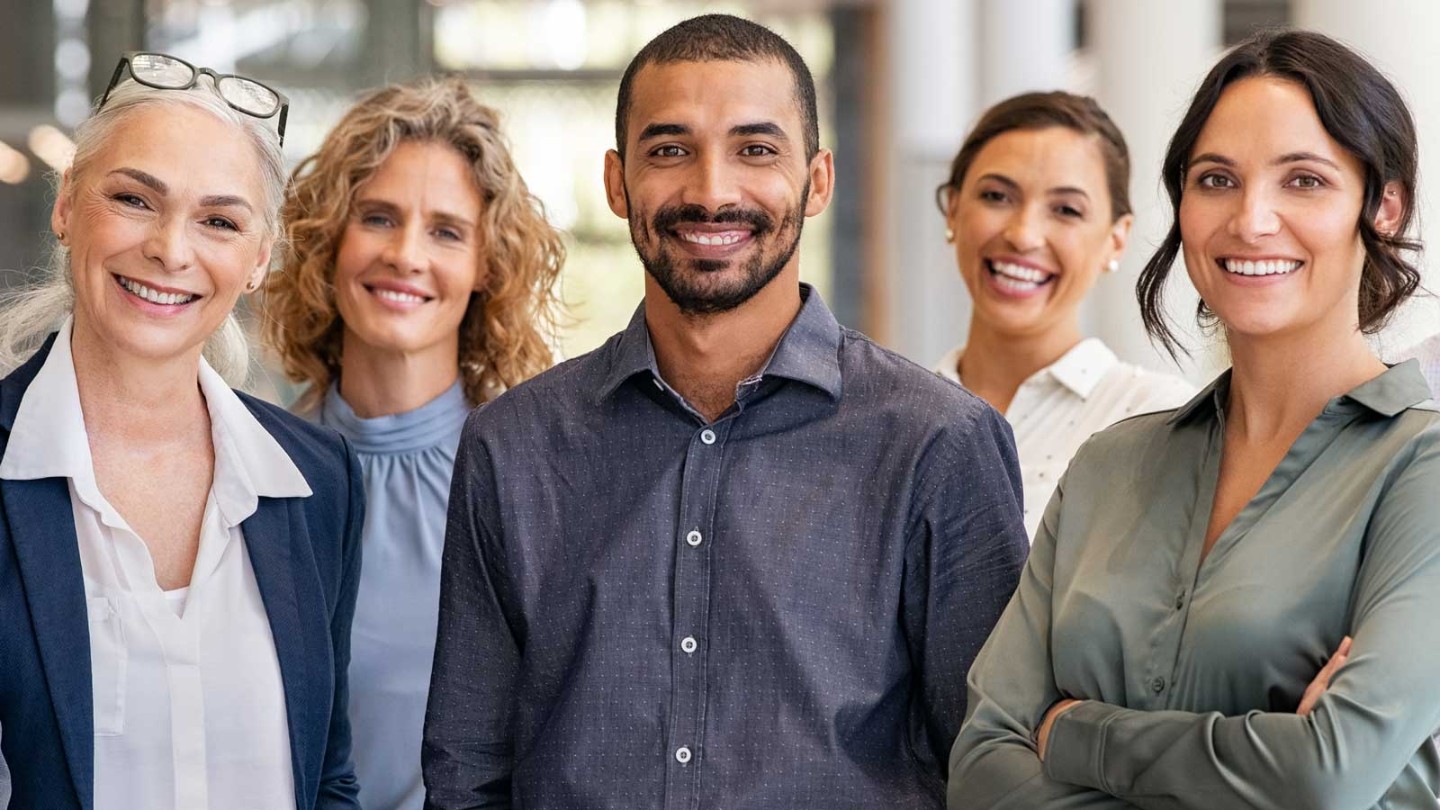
{"points": [[1269, 267], [139, 290], [397, 296], [716, 239], [1017, 277]]}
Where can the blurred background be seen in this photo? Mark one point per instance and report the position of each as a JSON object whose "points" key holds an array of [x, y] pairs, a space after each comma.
{"points": [[900, 82]]}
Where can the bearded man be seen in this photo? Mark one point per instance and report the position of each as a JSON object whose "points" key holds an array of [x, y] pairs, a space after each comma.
{"points": [[739, 556]]}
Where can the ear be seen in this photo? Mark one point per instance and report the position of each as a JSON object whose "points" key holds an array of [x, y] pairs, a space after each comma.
{"points": [[1392, 209], [60, 214], [1120, 236], [615, 184], [951, 196], [262, 266], [822, 183]]}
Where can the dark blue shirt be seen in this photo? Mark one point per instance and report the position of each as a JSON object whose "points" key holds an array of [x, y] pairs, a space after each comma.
{"points": [[640, 609]]}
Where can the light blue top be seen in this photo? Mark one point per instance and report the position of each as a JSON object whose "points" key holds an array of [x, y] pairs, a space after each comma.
{"points": [[407, 459]]}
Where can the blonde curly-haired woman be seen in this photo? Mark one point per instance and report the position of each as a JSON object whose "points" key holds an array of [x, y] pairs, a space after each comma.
{"points": [[418, 283]]}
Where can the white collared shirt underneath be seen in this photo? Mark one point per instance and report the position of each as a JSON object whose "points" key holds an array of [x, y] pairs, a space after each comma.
{"points": [[189, 707], [1060, 406]]}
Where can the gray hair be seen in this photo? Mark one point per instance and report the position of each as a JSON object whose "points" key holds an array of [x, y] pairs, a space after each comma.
{"points": [[29, 315]]}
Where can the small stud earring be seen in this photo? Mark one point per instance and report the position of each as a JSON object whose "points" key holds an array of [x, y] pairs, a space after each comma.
{"points": [[1113, 266], [61, 236], [950, 235]]}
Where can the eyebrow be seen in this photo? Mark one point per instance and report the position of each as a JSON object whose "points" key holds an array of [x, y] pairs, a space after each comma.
{"points": [[662, 131], [212, 201], [144, 178], [1289, 157], [769, 128]]}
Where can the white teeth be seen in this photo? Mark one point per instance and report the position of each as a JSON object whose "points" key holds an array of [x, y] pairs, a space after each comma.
{"points": [[711, 239], [401, 297], [153, 296], [1017, 272], [1261, 268]]}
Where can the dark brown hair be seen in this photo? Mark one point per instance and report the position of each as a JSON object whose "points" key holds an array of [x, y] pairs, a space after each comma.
{"points": [[1029, 111], [721, 38], [1361, 110]]}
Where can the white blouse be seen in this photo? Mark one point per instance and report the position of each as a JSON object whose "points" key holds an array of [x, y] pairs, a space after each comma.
{"points": [[1060, 406], [188, 700]]}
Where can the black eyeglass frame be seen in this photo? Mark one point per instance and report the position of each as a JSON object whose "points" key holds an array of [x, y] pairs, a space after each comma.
{"points": [[282, 110]]}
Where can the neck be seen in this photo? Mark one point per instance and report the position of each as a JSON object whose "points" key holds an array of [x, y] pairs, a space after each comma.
{"points": [[135, 398], [704, 357], [378, 382], [994, 365], [1279, 384]]}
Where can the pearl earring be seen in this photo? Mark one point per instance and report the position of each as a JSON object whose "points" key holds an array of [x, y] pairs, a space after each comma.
{"points": [[949, 235], [1113, 266]]}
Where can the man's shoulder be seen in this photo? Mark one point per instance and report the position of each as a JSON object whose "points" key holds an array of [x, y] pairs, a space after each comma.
{"points": [[554, 393], [883, 378]]}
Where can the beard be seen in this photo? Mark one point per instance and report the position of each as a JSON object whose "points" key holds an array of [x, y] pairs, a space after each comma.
{"points": [[703, 286]]}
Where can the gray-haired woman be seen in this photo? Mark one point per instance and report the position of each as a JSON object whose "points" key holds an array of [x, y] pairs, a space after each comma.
{"points": [[178, 562]]}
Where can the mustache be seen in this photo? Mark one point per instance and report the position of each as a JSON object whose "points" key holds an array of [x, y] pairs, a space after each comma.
{"points": [[670, 216]]}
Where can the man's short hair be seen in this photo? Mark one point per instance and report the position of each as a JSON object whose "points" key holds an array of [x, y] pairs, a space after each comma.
{"points": [[721, 38]]}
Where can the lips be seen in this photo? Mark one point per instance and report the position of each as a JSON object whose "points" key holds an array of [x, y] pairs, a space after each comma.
{"points": [[154, 294], [1016, 279], [400, 295]]}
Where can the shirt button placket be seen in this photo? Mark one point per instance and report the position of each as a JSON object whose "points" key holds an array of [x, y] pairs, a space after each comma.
{"points": [[698, 487]]}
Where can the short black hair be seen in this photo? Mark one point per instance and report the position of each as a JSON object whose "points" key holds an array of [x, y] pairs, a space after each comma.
{"points": [[721, 38], [1362, 110]]}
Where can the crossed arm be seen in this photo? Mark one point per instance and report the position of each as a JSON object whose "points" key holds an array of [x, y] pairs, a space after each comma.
{"points": [[1369, 711]]}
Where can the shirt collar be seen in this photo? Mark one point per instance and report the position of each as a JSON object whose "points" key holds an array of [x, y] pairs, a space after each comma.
{"points": [[808, 352], [1079, 370], [1399, 387], [48, 439], [1084, 366]]}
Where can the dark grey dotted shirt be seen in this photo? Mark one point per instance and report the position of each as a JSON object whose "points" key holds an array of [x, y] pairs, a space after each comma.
{"points": [[773, 610]]}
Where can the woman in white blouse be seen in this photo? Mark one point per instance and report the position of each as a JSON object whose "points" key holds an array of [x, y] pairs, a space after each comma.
{"points": [[178, 562], [1038, 206]]}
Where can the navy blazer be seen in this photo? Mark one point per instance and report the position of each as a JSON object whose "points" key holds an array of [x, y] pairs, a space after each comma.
{"points": [[306, 556]]}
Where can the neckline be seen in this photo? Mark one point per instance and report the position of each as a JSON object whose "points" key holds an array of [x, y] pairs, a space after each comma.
{"points": [[406, 432]]}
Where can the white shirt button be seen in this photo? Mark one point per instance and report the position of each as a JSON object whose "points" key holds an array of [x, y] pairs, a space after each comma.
{"points": [[682, 755], [707, 436], [688, 644], [693, 538]]}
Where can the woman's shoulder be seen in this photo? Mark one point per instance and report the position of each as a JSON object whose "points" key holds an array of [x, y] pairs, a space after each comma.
{"points": [[311, 446]]}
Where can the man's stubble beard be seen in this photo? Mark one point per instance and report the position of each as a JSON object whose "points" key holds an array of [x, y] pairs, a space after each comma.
{"points": [[689, 289]]}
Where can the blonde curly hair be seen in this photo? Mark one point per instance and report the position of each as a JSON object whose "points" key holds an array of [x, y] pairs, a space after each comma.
{"points": [[504, 335]]}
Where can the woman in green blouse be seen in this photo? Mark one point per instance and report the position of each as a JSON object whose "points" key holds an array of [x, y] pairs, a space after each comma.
{"points": [[1237, 603]]}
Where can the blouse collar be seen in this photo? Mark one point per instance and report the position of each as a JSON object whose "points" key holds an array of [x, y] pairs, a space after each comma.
{"points": [[48, 439], [1079, 370], [406, 432]]}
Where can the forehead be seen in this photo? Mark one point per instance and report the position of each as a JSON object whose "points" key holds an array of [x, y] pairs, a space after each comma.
{"points": [[1262, 117], [185, 147], [1055, 156], [710, 97], [427, 169]]}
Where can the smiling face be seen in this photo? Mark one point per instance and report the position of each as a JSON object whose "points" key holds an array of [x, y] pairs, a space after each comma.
{"points": [[1033, 229], [165, 229], [409, 258], [715, 183], [1269, 214]]}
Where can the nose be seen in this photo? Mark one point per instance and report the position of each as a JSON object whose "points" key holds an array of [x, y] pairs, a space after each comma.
{"points": [[168, 244], [1255, 219], [1023, 230], [404, 251], [712, 183]]}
